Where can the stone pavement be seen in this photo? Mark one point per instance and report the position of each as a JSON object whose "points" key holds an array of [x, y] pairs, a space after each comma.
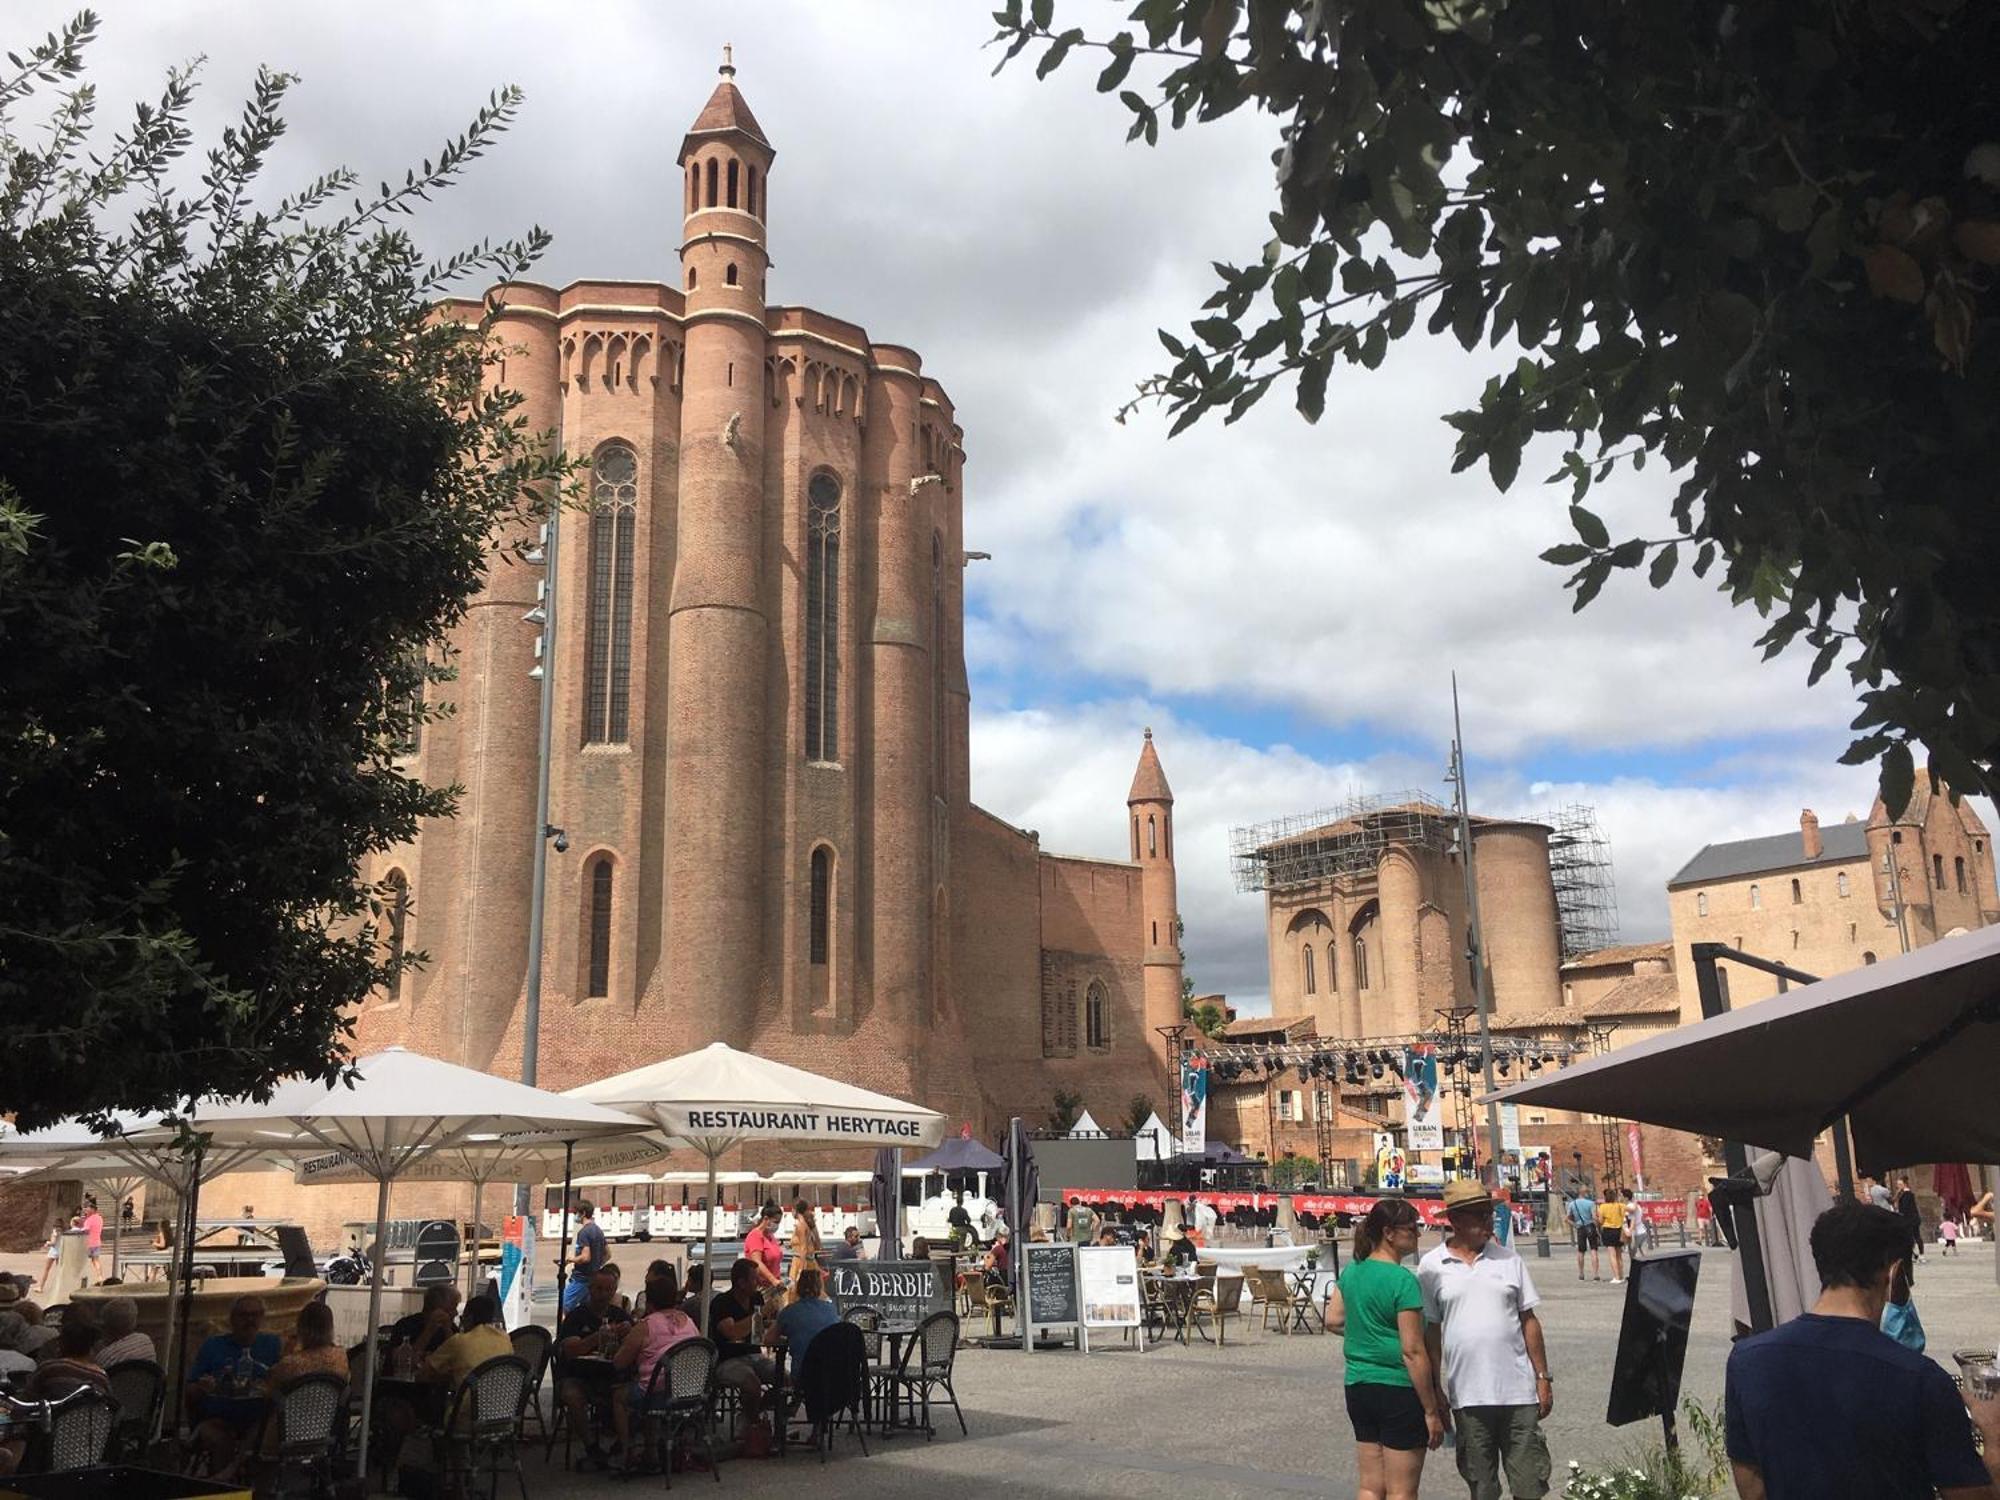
{"points": [[1262, 1416]]}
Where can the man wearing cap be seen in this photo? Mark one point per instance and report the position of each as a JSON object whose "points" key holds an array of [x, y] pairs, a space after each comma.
{"points": [[1486, 1344]]}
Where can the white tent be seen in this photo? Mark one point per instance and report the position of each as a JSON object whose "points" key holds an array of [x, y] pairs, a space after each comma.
{"points": [[1154, 1142], [715, 1099], [395, 1108], [1085, 1126]]}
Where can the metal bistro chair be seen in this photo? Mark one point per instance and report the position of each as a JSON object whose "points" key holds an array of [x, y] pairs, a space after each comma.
{"points": [[80, 1429], [311, 1413], [479, 1434], [834, 1379], [926, 1366], [138, 1386], [869, 1321], [677, 1401], [536, 1347]]}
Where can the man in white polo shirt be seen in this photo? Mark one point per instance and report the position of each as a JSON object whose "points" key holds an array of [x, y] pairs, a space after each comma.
{"points": [[1486, 1345]]}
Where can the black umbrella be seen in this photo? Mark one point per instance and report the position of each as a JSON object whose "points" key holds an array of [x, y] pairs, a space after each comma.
{"points": [[885, 1189], [959, 1154]]}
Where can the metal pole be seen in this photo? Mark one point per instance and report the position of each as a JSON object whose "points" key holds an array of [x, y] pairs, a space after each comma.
{"points": [[1896, 894], [531, 1010], [1475, 947], [1749, 1241]]}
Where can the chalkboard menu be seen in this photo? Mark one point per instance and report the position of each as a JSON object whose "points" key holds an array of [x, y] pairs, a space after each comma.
{"points": [[1052, 1285], [905, 1292]]}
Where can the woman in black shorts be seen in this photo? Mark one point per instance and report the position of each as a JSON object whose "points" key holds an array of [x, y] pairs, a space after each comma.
{"points": [[1391, 1395]]}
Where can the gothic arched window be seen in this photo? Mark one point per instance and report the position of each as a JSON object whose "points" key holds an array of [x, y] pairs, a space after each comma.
{"points": [[1360, 962], [1311, 973], [937, 665], [598, 981], [1840, 882], [819, 943], [822, 694], [607, 636], [1096, 1016]]}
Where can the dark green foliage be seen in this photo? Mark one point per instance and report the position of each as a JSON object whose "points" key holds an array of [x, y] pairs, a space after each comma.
{"points": [[1756, 241], [247, 483]]}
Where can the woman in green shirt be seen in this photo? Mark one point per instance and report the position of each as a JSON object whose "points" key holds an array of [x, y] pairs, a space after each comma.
{"points": [[1379, 1312]]}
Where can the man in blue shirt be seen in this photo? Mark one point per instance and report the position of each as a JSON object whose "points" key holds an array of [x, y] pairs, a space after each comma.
{"points": [[1582, 1211], [1828, 1407], [225, 1389], [588, 1258]]}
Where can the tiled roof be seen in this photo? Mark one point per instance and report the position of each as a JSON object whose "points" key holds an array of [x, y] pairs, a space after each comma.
{"points": [[1149, 782], [1626, 953], [1840, 843], [1292, 1028], [727, 110], [1642, 994]]}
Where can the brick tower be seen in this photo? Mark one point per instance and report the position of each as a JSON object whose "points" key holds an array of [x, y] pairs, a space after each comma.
{"points": [[1151, 805], [717, 627]]}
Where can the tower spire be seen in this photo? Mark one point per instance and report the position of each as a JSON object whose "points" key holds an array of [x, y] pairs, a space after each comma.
{"points": [[728, 68]]}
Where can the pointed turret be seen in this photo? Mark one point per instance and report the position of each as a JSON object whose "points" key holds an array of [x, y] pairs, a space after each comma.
{"points": [[1151, 805], [726, 113], [1149, 782]]}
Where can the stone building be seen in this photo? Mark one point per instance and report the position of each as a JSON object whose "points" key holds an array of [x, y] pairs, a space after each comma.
{"points": [[1824, 900], [759, 760]]}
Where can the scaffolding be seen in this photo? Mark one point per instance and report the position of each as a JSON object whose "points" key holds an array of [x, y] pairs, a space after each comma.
{"points": [[1350, 839], [1580, 865]]}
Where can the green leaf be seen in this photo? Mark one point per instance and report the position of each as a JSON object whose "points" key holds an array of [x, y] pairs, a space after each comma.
{"points": [[1566, 554], [1589, 527], [1663, 566], [1120, 64], [1217, 333], [1503, 462], [1041, 13], [1627, 554], [1899, 778], [1058, 50], [1313, 371]]}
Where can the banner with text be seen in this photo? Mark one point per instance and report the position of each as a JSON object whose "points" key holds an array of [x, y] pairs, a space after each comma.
{"points": [[1194, 1104], [1423, 1108]]}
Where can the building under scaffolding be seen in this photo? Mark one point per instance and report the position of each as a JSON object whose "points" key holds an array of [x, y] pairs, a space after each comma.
{"points": [[1345, 840], [1586, 894]]}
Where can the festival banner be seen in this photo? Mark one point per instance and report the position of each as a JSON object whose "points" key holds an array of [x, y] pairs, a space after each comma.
{"points": [[1194, 1104], [1423, 1107], [1634, 1144], [1510, 1128], [1389, 1163]]}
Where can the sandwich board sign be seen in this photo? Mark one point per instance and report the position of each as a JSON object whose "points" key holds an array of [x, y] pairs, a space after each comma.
{"points": [[1108, 1291], [1049, 1302]]}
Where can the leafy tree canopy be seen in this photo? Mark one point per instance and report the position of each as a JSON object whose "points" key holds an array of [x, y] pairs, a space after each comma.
{"points": [[247, 485], [1757, 242]]}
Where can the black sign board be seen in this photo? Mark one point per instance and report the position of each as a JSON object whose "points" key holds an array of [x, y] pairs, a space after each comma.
{"points": [[905, 1292], [1653, 1338], [1051, 1285], [297, 1250], [437, 1253]]}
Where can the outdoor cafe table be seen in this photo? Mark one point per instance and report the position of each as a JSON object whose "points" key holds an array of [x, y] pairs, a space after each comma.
{"points": [[1177, 1295]]}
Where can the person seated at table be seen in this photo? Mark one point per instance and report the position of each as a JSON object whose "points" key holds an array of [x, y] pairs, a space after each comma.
{"points": [[731, 1324], [225, 1396], [590, 1331], [480, 1338], [1145, 1247], [40, 1336], [797, 1324], [120, 1330], [646, 1342], [310, 1351], [1107, 1236], [72, 1366], [763, 1249], [1182, 1251], [424, 1330], [850, 1246], [998, 1267], [691, 1294], [14, 1364]]}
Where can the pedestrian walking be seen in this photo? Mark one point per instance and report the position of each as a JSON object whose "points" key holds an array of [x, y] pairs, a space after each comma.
{"points": [[1638, 1227], [1582, 1211], [1825, 1408], [93, 1230], [1611, 1232], [1911, 1215], [1485, 1341], [1378, 1309], [1947, 1235]]}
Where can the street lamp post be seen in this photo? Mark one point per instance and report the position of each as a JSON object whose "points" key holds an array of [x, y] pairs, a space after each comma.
{"points": [[1475, 947], [543, 671]]}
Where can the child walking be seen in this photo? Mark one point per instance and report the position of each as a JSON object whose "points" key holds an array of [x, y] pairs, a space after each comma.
{"points": [[1947, 1235]]}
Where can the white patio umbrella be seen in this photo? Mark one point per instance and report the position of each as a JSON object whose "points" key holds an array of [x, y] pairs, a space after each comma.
{"points": [[397, 1107], [716, 1099], [1086, 1127], [484, 1159]]}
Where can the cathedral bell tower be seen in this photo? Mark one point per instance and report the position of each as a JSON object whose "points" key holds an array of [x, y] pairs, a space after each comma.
{"points": [[1151, 805], [718, 631]]}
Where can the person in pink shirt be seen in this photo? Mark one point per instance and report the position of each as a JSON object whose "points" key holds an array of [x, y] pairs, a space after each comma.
{"points": [[763, 1246], [93, 1229], [662, 1328]]}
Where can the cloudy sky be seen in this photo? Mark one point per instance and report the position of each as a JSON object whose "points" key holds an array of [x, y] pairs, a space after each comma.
{"points": [[1283, 604]]}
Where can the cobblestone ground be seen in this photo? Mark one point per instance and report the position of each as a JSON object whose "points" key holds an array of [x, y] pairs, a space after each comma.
{"points": [[1257, 1417]]}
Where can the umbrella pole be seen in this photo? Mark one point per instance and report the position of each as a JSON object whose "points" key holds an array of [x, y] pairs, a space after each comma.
{"points": [[562, 1255], [472, 1259], [707, 1249], [190, 1206], [374, 1314]]}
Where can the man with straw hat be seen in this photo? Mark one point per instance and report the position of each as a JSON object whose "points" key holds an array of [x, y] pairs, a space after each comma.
{"points": [[1486, 1344]]}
